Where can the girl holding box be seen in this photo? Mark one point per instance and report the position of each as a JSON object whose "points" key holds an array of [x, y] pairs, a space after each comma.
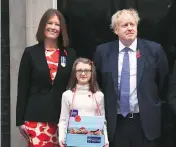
{"points": [[88, 99]]}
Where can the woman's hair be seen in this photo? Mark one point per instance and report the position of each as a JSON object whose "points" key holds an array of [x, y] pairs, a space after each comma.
{"points": [[93, 85], [63, 37]]}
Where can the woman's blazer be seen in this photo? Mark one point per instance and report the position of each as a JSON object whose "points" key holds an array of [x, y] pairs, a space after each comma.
{"points": [[38, 99]]}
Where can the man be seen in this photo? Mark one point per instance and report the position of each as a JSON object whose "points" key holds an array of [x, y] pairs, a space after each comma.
{"points": [[133, 74]]}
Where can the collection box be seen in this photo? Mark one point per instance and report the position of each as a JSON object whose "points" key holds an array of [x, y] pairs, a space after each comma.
{"points": [[85, 131]]}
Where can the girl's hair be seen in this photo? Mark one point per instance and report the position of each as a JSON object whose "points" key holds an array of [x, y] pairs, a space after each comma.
{"points": [[93, 85], [63, 37]]}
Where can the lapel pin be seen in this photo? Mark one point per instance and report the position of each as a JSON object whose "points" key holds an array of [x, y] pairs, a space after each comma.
{"points": [[138, 53]]}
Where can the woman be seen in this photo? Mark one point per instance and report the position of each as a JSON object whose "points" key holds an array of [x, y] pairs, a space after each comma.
{"points": [[83, 88], [43, 76]]}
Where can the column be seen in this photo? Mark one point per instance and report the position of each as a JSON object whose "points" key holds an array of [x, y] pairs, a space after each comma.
{"points": [[24, 19]]}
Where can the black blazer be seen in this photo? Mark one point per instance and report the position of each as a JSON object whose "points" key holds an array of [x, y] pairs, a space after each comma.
{"points": [[172, 89], [37, 98], [152, 73]]}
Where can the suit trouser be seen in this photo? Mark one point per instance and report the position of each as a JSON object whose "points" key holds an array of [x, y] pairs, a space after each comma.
{"points": [[129, 133]]}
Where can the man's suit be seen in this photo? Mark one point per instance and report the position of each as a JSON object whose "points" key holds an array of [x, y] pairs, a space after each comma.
{"points": [[152, 73], [172, 89], [172, 101]]}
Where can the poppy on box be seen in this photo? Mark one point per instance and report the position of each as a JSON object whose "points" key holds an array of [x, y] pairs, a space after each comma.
{"points": [[77, 118]]}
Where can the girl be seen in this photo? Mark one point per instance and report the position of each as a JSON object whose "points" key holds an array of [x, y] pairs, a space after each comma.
{"points": [[83, 86]]}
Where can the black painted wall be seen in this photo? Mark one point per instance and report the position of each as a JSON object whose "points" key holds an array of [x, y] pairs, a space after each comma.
{"points": [[88, 21], [5, 75]]}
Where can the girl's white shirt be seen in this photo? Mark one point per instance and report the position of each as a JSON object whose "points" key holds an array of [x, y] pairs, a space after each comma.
{"points": [[86, 105]]}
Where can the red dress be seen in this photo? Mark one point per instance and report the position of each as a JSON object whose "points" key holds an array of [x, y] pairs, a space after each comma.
{"points": [[44, 134]]}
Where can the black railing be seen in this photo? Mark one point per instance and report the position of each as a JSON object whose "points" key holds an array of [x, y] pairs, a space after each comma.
{"points": [[5, 75]]}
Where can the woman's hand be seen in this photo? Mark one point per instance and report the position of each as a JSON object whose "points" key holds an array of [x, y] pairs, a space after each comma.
{"points": [[106, 145], [62, 143], [23, 131]]}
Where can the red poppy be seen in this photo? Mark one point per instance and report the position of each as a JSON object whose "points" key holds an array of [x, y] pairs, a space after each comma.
{"points": [[31, 133], [65, 52], [41, 128], [43, 137], [77, 118], [52, 130], [44, 124], [31, 124], [138, 54]]}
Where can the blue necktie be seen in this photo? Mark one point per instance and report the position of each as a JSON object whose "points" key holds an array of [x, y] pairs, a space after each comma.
{"points": [[125, 84]]}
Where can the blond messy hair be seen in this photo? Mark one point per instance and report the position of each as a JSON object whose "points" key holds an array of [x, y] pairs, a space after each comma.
{"points": [[117, 16]]}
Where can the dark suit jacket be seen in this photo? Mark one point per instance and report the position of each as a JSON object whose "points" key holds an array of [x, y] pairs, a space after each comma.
{"points": [[152, 73], [37, 98], [172, 89]]}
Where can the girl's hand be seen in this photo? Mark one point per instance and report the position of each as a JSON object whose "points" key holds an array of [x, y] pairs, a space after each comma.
{"points": [[62, 143], [106, 145], [23, 131]]}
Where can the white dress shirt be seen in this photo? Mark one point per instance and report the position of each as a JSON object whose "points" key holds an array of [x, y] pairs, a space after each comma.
{"points": [[134, 107]]}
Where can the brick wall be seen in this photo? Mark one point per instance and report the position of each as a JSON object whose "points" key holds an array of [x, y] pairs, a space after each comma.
{"points": [[5, 75]]}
